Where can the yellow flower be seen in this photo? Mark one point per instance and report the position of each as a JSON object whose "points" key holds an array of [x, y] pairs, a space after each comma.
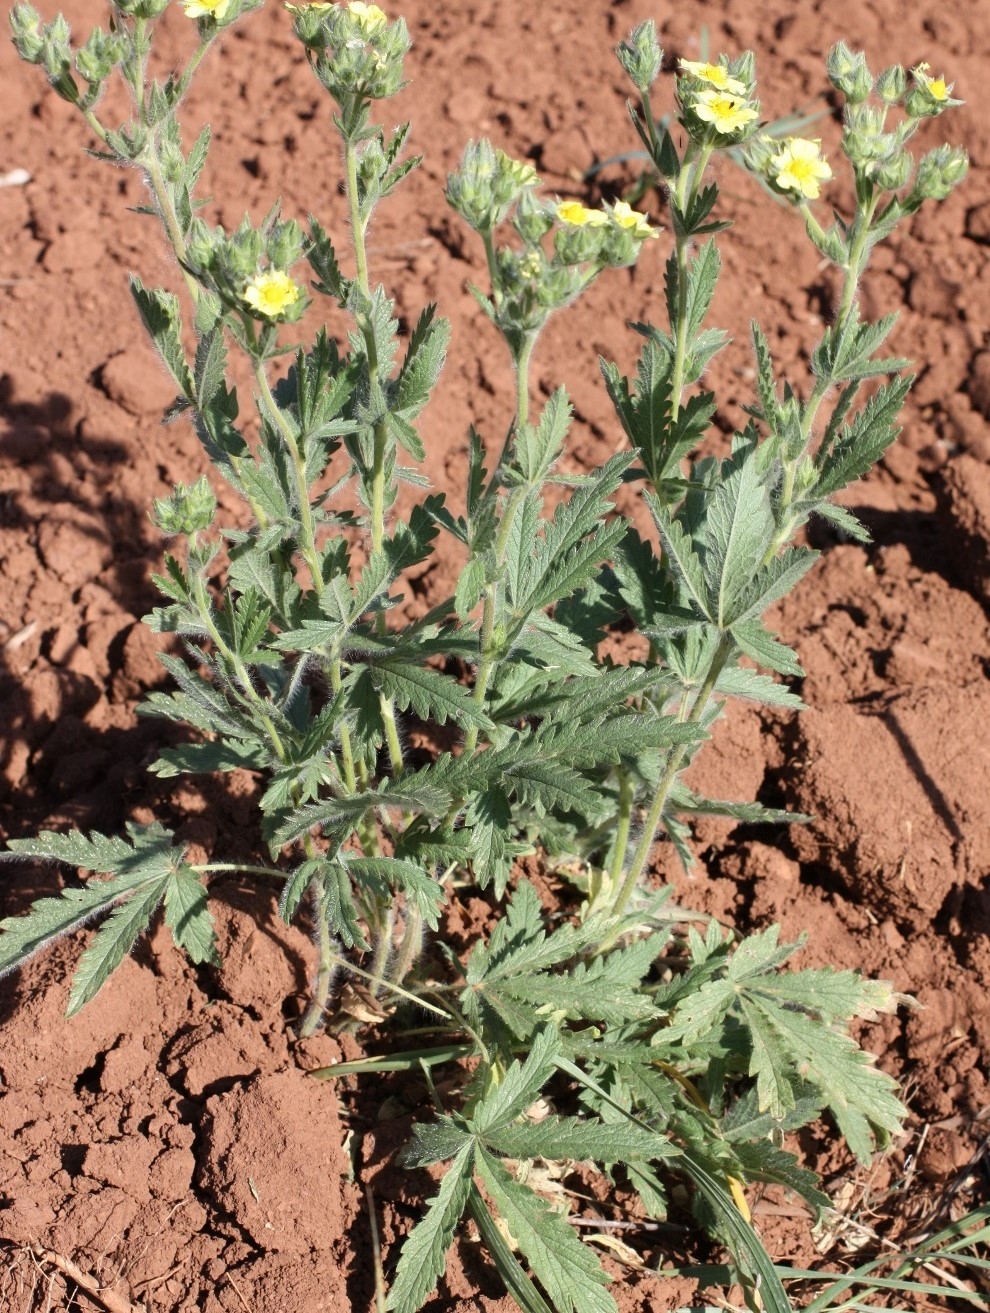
{"points": [[937, 88], [215, 9], [635, 222], [800, 168], [726, 113], [578, 215], [369, 17], [272, 293], [715, 74]]}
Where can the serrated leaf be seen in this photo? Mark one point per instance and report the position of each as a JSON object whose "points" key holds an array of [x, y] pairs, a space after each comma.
{"points": [[520, 1086], [538, 446], [738, 530], [424, 1254], [113, 941], [187, 915], [431, 694], [576, 1139], [567, 1269], [702, 278], [683, 558], [763, 647]]}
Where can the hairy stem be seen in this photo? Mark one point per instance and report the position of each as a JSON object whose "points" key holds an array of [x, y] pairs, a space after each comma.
{"points": [[313, 1016], [674, 763]]}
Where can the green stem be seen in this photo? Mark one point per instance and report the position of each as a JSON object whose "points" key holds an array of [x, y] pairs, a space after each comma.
{"points": [[674, 763], [618, 861], [383, 947], [358, 224], [691, 173], [169, 218], [859, 250], [521, 364], [278, 418], [236, 663]]}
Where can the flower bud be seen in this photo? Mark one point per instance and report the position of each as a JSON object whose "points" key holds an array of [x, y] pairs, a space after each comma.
{"points": [[892, 84], [99, 56], [285, 244], [929, 96], [848, 73], [141, 8], [487, 185], [894, 171], [863, 137], [187, 510], [27, 33], [640, 55], [939, 172], [533, 218]]}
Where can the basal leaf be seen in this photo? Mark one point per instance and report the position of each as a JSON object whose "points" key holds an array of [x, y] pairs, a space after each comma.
{"points": [[567, 1269], [424, 1254]]}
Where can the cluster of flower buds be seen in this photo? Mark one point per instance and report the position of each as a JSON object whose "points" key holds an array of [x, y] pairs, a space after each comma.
{"points": [[188, 509], [356, 51], [247, 269], [488, 185], [530, 283], [717, 101], [877, 151]]}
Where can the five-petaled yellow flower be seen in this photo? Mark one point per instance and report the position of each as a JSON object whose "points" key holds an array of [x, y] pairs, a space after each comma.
{"points": [[800, 168], [579, 216], [714, 74], [726, 113], [937, 88], [369, 17], [272, 293], [215, 9], [632, 220]]}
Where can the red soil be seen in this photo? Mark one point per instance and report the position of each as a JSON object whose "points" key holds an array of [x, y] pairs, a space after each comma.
{"points": [[167, 1140]]}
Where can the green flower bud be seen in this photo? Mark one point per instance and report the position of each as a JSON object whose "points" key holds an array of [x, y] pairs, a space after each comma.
{"points": [[640, 55], [894, 171], [187, 510], [939, 172], [892, 84], [99, 56], [848, 73], [285, 244], [533, 218], [487, 185], [141, 8], [27, 33], [743, 69], [863, 137]]}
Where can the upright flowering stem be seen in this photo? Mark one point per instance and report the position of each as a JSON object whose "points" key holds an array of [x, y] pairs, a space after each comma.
{"points": [[692, 171], [488, 645], [674, 762]]}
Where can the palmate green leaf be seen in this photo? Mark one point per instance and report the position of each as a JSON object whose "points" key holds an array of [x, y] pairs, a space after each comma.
{"points": [[51, 918], [567, 1269], [702, 278], [114, 940], [760, 645], [424, 1254], [424, 360], [579, 1139], [771, 582], [762, 1161], [840, 517], [207, 758], [399, 875], [740, 682], [187, 915], [557, 573], [435, 1141], [581, 998]]}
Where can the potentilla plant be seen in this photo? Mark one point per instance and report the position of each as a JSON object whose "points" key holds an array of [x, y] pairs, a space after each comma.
{"points": [[648, 1048]]}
